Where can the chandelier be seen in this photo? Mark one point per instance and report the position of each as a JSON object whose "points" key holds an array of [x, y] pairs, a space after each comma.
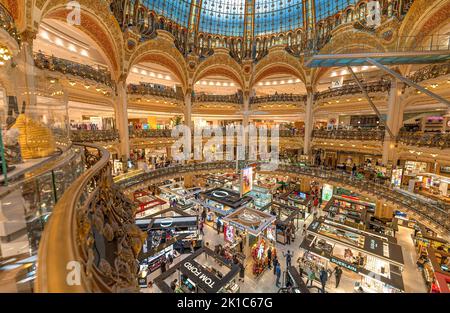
{"points": [[5, 55]]}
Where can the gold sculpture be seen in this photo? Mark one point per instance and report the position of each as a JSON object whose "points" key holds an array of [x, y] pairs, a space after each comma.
{"points": [[36, 140]]}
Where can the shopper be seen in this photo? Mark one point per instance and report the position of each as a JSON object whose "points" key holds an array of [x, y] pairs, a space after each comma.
{"points": [[288, 257], [173, 284], [269, 258], [300, 266], [163, 265], [337, 275], [354, 170], [218, 224], [311, 275], [201, 228], [204, 215], [170, 258], [192, 246], [275, 262], [288, 235], [278, 274], [323, 278], [304, 229], [241, 272]]}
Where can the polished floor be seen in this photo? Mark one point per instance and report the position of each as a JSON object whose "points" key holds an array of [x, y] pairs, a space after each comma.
{"points": [[412, 277]]}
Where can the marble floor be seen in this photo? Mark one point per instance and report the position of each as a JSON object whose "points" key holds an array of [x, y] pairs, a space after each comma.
{"points": [[412, 277]]}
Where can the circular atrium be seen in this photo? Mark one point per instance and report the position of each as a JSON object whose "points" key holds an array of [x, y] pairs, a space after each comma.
{"points": [[225, 146]]}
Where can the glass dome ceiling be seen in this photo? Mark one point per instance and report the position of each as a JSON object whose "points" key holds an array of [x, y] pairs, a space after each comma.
{"points": [[226, 17]]}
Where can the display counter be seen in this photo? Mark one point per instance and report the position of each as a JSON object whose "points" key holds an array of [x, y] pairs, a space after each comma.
{"points": [[165, 232], [202, 272], [376, 274], [378, 246], [287, 216]]}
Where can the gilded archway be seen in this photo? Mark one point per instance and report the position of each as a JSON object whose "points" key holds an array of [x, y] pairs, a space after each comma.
{"points": [[220, 64], [96, 21], [278, 62], [161, 51]]}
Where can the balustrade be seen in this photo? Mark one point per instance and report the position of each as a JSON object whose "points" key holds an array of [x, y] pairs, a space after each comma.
{"points": [[284, 97], [235, 98], [431, 140], [8, 24], [154, 90], [358, 134], [93, 226], [351, 89], [94, 135], [64, 66]]}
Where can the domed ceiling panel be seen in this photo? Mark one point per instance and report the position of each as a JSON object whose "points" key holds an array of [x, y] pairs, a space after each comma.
{"points": [[226, 17]]}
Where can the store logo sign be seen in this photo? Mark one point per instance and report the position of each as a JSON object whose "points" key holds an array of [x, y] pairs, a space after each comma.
{"points": [[167, 222], [202, 276], [344, 264]]}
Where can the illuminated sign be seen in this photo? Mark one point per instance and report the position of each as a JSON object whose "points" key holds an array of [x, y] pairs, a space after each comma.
{"points": [[344, 264]]}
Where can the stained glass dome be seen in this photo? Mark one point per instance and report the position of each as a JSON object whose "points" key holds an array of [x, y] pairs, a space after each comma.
{"points": [[228, 17]]}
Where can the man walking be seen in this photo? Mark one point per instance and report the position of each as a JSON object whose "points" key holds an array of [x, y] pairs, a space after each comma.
{"points": [[288, 257], [278, 273], [323, 278], [337, 275]]}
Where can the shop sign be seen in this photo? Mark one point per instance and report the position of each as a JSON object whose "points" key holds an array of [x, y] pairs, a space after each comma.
{"points": [[344, 264], [202, 276]]}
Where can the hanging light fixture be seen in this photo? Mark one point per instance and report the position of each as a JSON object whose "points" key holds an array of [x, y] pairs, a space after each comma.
{"points": [[5, 55]]}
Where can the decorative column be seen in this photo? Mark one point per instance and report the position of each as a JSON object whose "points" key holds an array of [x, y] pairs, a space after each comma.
{"points": [[188, 109], [309, 121], [121, 113], [394, 122], [246, 107]]}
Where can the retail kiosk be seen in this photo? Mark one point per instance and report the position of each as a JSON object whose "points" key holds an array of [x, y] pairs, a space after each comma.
{"points": [[286, 216], [169, 232], [202, 272], [376, 259], [256, 232], [147, 204], [435, 265], [220, 202]]}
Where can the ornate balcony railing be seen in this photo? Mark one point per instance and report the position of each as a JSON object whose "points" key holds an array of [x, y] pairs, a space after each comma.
{"points": [[430, 140], [235, 98], [434, 212], [358, 134], [8, 24], [150, 133], [154, 90], [352, 89], [94, 135], [430, 72], [284, 97], [91, 233], [64, 66]]}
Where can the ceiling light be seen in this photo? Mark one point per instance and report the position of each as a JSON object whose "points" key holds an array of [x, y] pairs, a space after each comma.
{"points": [[152, 74], [290, 81], [260, 84], [225, 84], [333, 74], [297, 80], [144, 72], [211, 83], [72, 48], [44, 34], [71, 83], [135, 70], [168, 77], [87, 86], [59, 42], [84, 53], [232, 84]]}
